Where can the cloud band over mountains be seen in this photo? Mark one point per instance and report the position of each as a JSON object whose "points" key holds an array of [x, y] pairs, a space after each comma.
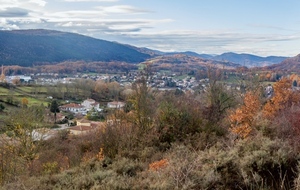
{"points": [[113, 20]]}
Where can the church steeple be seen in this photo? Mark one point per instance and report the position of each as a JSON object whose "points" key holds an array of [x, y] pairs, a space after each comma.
{"points": [[2, 77]]}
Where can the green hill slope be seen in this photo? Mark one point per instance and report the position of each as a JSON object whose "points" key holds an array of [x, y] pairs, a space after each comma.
{"points": [[29, 47]]}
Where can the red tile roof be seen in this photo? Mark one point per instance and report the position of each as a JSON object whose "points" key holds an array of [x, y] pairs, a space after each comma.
{"points": [[72, 105]]}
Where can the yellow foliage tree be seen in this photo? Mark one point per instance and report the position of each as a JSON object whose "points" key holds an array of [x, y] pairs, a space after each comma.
{"points": [[141, 102], [284, 97], [24, 102], [242, 118]]}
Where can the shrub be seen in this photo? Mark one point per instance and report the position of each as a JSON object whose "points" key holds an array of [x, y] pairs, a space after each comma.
{"points": [[272, 160], [50, 167], [249, 164], [127, 167]]}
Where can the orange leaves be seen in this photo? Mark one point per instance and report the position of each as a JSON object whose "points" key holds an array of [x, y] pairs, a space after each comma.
{"points": [[100, 155], [91, 155], [284, 97], [155, 166], [242, 118], [295, 77]]}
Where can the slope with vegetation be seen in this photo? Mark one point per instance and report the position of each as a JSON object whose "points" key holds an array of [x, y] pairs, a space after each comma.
{"points": [[184, 63], [218, 139], [35, 47], [289, 65]]}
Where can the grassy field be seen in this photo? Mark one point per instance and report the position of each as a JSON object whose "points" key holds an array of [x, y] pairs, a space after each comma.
{"points": [[141, 66], [34, 101], [180, 77], [33, 89], [3, 91], [8, 109], [17, 94], [233, 79]]}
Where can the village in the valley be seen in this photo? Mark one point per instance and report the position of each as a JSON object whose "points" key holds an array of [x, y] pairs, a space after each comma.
{"points": [[75, 116]]}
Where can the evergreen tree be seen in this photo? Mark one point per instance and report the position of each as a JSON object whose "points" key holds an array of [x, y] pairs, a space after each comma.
{"points": [[2, 107], [54, 109]]}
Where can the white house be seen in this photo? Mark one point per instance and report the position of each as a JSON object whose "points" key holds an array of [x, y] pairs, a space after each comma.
{"points": [[21, 77], [74, 108], [115, 104], [90, 104], [82, 108]]}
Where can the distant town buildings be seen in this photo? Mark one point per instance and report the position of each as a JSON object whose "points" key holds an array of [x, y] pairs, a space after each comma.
{"points": [[21, 78]]}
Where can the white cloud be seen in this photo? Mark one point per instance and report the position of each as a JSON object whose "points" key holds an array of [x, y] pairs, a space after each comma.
{"points": [[79, 15], [121, 9], [13, 12], [38, 2], [4, 25], [22, 3], [214, 42], [121, 23]]}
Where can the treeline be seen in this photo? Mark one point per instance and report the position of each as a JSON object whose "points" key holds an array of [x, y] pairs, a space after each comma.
{"points": [[70, 67], [80, 89]]}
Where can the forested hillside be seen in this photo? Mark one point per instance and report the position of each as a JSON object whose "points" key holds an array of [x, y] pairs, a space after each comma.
{"points": [[36, 47]]}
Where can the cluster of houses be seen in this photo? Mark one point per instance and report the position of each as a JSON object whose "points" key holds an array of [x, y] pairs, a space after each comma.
{"points": [[86, 106], [89, 105]]}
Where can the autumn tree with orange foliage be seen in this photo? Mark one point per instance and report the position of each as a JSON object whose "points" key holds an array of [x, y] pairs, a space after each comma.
{"points": [[242, 118], [284, 97]]}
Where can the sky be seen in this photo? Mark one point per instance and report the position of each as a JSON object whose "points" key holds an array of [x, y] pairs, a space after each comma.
{"points": [[260, 27]]}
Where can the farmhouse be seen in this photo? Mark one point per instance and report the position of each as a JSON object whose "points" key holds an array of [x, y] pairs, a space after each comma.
{"points": [[74, 108], [81, 130], [90, 104], [85, 126], [115, 104]]}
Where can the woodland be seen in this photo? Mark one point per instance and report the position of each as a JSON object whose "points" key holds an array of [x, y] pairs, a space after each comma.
{"points": [[218, 138]]}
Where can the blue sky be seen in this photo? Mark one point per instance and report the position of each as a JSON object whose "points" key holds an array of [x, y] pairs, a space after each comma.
{"points": [[261, 27]]}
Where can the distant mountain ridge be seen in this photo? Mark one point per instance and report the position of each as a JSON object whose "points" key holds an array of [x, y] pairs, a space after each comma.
{"points": [[39, 46], [28, 47], [291, 64], [247, 60], [191, 53]]}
